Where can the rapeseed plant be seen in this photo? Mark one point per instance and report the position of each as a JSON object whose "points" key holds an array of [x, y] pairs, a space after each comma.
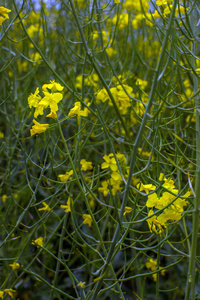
{"points": [[111, 187]]}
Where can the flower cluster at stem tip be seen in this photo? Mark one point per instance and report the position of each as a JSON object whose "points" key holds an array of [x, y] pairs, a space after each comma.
{"points": [[52, 96], [169, 203], [4, 14]]}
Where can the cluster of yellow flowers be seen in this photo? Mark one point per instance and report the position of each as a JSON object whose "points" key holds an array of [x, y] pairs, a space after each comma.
{"points": [[91, 80], [151, 264], [121, 97], [115, 179], [10, 292], [174, 205], [141, 11], [4, 14], [52, 97]]}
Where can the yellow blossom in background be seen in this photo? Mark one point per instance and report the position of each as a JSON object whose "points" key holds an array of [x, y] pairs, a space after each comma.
{"points": [[163, 2], [4, 197], [116, 176], [122, 19], [104, 188], [87, 219], [92, 201], [135, 180], [190, 118], [36, 58], [127, 210], [66, 176], [39, 241], [86, 165], [45, 207], [4, 14], [32, 30], [116, 186], [38, 128], [1, 294], [91, 80], [152, 265], [67, 207], [81, 284], [136, 6], [1, 135], [144, 153], [15, 266], [121, 158], [111, 51]]}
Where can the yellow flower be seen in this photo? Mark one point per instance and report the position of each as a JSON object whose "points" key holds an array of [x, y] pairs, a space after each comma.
{"points": [[39, 241], [34, 99], [102, 96], [51, 100], [15, 266], [52, 115], [152, 200], [4, 12], [10, 292], [115, 186], [104, 188], [66, 176], [163, 2], [76, 110], [121, 158], [110, 162], [86, 165], [155, 222], [127, 210], [38, 128], [81, 284], [169, 184], [146, 187], [116, 176], [54, 86], [4, 197], [1, 294], [45, 207], [87, 219], [152, 265], [67, 207], [161, 177]]}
